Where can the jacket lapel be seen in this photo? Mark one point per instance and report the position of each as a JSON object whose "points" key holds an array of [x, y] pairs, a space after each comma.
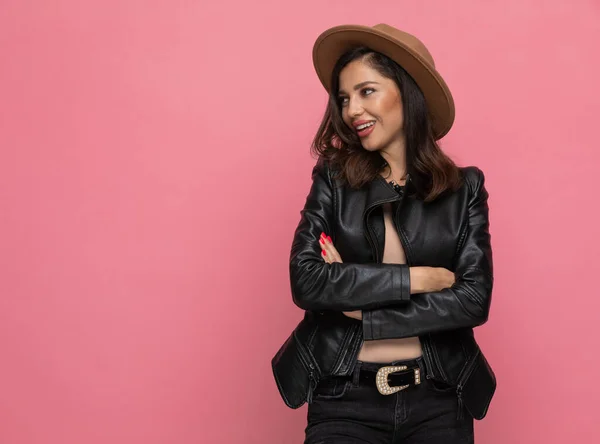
{"points": [[379, 192]]}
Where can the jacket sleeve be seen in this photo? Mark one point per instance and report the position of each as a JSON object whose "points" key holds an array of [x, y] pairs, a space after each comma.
{"points": [[466, 303], [317, 285]]}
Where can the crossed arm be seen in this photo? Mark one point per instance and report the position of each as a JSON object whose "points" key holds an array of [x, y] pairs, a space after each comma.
{"points": [[422, 279], [393, 300]]}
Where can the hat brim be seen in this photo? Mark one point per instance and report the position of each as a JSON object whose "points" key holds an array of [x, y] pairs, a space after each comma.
{"points": [[334, 42]]}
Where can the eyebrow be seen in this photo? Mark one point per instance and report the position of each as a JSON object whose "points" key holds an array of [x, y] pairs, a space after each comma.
{"points": [[361, 84]]}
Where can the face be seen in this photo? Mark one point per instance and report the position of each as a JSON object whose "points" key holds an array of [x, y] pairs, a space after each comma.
{"points": [[371, 106]]}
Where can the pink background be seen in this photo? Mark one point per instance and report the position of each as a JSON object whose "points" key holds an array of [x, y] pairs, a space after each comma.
{"points": [[154, 160]]}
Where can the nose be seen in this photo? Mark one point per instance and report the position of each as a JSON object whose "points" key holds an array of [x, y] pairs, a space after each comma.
{"points": [[354, 108]]}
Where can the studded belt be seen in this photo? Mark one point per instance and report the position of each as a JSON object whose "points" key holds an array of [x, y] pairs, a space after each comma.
{"points": [[391, 379]]}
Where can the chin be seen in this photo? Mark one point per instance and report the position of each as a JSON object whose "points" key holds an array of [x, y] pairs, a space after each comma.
{"points": [[371, 147]]}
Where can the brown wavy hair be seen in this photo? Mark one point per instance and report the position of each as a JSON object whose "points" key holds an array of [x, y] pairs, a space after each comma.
{"points": [[432, 173]]}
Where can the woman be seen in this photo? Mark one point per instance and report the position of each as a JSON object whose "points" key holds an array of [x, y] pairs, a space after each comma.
{"points": [[391, 259]]}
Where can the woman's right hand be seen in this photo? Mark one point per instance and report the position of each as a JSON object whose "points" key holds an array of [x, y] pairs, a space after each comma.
{"points": [[426, 279]]}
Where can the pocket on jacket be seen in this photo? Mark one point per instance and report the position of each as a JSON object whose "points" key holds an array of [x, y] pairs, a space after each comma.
{"points": [[296, 372], [477, 385]]}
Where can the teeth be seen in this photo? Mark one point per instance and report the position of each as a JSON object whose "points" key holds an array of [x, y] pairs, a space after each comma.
{"points": [[364, 125]]}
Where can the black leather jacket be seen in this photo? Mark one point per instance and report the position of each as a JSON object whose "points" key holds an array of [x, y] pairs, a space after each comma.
{"points": [[450, 232]]}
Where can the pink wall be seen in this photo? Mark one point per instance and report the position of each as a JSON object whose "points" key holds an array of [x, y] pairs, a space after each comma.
{"points": [[154, 160]]}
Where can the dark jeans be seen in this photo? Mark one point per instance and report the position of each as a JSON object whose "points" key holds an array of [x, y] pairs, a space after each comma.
{"points": [[345, 410]]}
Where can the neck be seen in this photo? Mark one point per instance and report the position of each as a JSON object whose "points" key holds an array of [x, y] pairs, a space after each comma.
{"points": [[395, 156]]}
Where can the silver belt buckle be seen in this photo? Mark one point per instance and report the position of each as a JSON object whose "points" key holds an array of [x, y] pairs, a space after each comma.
{"points": [[383, 385]]}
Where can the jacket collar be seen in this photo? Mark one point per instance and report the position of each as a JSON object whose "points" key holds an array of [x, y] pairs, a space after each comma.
{"points": [[380, 191]]}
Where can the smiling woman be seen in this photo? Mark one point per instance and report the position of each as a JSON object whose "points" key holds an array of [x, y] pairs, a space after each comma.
{"points": [[391, 259], [370, 102], [364, 123]]}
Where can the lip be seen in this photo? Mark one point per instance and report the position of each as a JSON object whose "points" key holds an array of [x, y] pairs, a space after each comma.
{"points": [[360, 122], [365, 132]]}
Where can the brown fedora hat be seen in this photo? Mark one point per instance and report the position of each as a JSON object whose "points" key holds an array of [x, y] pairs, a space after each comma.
{"points": [[405, 49]]}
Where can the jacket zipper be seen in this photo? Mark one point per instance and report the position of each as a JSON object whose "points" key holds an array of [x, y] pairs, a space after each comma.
{"points": [[312, 370], [347, 341], [355, 351], [401, 234], [312, 380], [437, 360], [349, 335], [371, 242], [370, 236], [428, 360]]}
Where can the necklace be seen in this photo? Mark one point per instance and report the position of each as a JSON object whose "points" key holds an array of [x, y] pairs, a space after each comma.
{"points": [[397, 187]]}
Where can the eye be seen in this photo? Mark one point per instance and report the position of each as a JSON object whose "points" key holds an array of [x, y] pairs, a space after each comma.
{"points": [[367, 91], [343, 101]]}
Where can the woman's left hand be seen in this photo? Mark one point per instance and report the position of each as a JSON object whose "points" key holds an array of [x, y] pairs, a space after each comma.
{"points": [[328, 252], [330, 255]]}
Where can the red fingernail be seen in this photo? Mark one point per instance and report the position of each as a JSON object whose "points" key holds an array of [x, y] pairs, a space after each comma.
{"points": [[322, 234], [322, 241], [329, 239], [324, 253]]}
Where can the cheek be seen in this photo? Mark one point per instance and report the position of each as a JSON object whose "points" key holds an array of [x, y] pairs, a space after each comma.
{"points": [[392, 111], [390, 104]]}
